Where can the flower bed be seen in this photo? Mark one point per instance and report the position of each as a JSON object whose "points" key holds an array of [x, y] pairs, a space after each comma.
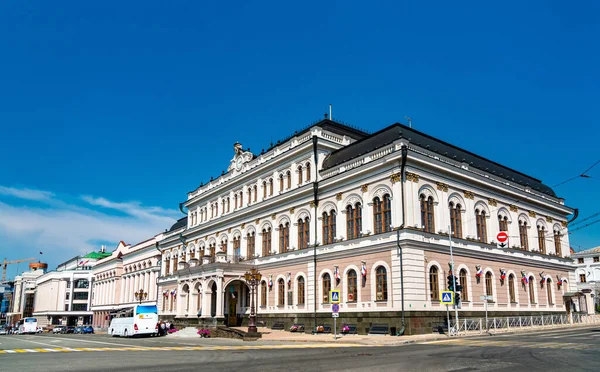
{"points": [[204, 333]]}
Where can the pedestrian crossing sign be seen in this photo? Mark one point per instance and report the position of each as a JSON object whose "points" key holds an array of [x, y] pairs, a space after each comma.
{"points": [[334, 296], [447, 297]]}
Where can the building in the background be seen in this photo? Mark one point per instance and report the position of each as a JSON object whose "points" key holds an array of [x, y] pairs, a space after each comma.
{"points": [[320, 211], [125, 278], [62, 296], [6, 299], [587, 274], [24, 292]]}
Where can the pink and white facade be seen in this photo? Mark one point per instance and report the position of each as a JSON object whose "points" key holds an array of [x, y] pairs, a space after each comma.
{"points": [[117, 278], [322, 209]]}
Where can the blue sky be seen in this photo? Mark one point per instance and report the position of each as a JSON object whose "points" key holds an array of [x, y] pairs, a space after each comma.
{"points": [[110, 112]]}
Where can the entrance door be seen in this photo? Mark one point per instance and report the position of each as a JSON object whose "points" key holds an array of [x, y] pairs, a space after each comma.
{"points": [[232, 315]]}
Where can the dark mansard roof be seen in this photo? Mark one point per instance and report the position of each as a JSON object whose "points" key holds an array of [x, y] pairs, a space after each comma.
{"points": [[397, 131]]}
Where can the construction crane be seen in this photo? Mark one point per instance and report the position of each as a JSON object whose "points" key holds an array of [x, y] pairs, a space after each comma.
{"points": [[6, 263]]}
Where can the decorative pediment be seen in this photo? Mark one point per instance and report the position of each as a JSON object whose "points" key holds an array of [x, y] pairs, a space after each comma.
{"points": [[240, 158]]}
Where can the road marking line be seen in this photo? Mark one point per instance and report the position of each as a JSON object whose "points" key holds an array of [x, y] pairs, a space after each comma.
{"points": [[89, 341], [52, 350], [40, 350], [10, 351]]}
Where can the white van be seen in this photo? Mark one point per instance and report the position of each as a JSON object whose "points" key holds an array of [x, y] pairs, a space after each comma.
{"points": [[138, 320]]}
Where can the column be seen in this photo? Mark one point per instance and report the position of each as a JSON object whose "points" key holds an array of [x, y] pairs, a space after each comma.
{"points": [[396, 203], [367, 212], [206, 295], [219, 312]]}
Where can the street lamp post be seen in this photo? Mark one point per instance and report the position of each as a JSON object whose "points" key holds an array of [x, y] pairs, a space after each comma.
{"points": [[141, 295], [252, 278]]}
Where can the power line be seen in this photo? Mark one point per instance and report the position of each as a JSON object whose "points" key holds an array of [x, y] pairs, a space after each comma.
{"points": [[585, 219], [582, 175], [584, 226]]}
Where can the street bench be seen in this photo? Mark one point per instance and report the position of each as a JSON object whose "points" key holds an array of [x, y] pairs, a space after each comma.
{"points": [[379, 329], [278, 326], [297, 328], [352, 329]]}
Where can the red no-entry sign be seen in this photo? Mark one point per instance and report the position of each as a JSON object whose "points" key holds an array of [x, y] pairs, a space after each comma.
{"points": [[502, 236]]}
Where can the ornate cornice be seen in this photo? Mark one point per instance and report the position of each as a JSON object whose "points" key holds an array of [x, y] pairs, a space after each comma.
{"points": [[442, 186]]}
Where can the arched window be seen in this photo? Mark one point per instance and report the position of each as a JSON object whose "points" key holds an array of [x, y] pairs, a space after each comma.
{"points": [[503, 223], [557, 246], [251, 242], [328, 227], [352, 286], [174, 264], [523, 234], [455, 220], [382, 217], [192, 254], [235, 202], [266, 242], [488, 285], [353, 221], [531, 290], [300, 175], [281, 182], [212, 249], [434, 284], [381, 284], [264, 189], [236, 246], [301, 290], [284, 237], [242, 199], [549, 291], [280, 292], [307, 172], [167, 266], [511, 289], [462, 278], [289, 179], [303, 233], [427, 214], [263, 293], [481, 225], [326, 287], [541, 239], [255, 188], [270, 187]]}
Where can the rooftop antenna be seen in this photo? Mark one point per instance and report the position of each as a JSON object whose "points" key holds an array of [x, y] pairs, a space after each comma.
{"points": [[330, 116], [409, 121]]}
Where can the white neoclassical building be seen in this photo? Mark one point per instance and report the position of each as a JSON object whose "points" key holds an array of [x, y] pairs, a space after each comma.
{"points": [[587, 274], [130, 269], [328, 207]]}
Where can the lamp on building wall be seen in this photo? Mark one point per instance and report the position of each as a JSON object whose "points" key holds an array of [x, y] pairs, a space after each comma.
{"points": [[141, 295], [252, 278]]}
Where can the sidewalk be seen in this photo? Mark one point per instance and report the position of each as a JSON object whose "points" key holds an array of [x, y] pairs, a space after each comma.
{"points": [[380, 340]]}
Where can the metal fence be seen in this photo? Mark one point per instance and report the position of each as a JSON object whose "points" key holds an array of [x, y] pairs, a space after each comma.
{"points": [[494, 325]]}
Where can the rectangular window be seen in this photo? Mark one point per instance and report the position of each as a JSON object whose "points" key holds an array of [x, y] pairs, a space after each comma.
{"points": [[582, 278], [67, 296], [596, 259], [80, 295], [580, 260], [66, 307], [79, 307]]}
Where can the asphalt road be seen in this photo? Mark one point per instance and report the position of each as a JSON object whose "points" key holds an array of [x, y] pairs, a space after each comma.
{"points": [[552, 350]]}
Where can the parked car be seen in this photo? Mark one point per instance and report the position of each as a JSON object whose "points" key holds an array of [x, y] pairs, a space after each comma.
{"points": [[78, 330], [69, 329], [88, 329], [3, 331], [58, 329], [39, 330]]}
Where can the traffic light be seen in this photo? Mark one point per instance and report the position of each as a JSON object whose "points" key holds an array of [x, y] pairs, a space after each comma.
{"points": [[456, 298], [451, 282], [458, 288]]}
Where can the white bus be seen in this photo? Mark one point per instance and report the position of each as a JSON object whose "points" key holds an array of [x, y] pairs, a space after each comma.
{"points": [[137, 320], [27, 325]]}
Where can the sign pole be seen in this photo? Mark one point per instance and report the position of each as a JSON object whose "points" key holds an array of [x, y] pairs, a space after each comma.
{"points": [[486, 322], [335, 328], [453, 278], [448, 315]]}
